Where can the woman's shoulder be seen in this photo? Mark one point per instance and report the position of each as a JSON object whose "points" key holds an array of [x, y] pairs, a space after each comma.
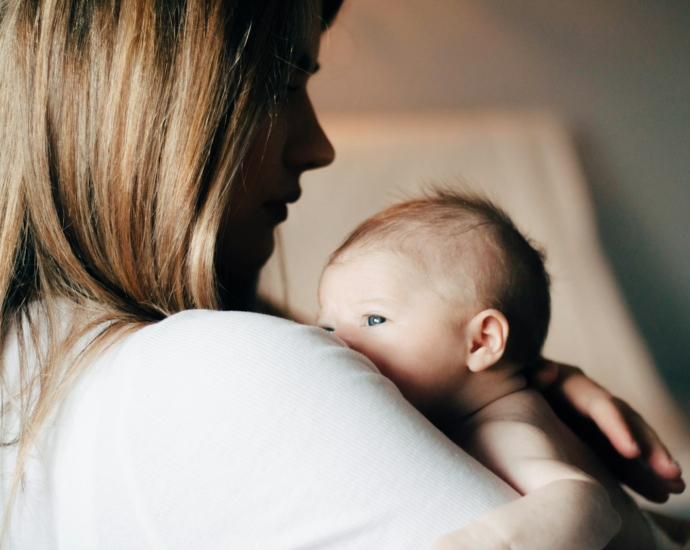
{"points": [[207, 324], [259, 431], [233, 337], [220, 352]]}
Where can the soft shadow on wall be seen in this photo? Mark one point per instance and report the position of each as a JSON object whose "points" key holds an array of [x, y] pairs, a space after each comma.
{"points": [[619, 71]]}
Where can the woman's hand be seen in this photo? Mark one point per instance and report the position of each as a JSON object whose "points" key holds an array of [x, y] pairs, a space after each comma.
{"points": [[621, 438]]}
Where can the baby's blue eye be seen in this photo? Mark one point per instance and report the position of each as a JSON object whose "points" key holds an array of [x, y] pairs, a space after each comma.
{"points": [[328, 329], [374, 320]]}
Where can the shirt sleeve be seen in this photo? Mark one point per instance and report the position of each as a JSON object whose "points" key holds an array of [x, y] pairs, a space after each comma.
{"points": [[238, 430]]}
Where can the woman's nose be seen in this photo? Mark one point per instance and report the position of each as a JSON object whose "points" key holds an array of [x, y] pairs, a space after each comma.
{"points": [[307, 148]]}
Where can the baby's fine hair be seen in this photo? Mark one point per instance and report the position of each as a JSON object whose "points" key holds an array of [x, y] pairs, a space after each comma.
{"points": [[459, 230]]}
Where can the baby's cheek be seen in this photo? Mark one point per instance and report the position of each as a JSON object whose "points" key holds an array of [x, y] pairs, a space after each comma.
{"points": [[375, 353], [404, 370], [379, 353], [401, 365]]}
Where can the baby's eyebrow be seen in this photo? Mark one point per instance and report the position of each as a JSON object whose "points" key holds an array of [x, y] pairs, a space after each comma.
{"points": [[377, 300]]}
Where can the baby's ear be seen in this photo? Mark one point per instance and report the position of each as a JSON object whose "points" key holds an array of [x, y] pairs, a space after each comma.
{"points": [[487, 334]]}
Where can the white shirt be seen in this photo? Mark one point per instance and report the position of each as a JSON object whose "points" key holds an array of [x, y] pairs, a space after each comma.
{"points": [[239, 430]]}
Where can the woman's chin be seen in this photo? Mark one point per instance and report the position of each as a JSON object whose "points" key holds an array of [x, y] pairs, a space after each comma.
{"points": [[259, 254], [240, 259]]}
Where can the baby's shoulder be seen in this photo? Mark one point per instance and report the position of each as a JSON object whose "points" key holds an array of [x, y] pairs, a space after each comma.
{"points": [[510, 426], [526, 406], [523, 416]]}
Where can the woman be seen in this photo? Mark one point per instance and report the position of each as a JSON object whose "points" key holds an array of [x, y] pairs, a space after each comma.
{"points": [[147, 152]]}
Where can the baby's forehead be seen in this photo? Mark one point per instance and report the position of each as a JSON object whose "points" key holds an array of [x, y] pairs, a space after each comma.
{"points": [[372, 263], [431, 254], [432, 269]]}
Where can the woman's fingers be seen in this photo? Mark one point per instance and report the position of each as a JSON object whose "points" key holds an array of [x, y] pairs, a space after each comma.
{"points": [[570, 387], [641, 478], [620, 436], [544, 374], [597, 404], [655, 474], [652, 449], [625, 429]]}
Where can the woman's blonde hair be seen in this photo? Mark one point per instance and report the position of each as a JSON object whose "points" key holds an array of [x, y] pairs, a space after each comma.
{"points": [[122, 126]]}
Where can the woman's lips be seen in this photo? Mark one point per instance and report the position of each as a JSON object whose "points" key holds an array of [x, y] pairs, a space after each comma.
{"points": [[277, 210]]}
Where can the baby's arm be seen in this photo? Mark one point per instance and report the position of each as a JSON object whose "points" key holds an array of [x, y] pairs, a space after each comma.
{"points": [[562, 506]]}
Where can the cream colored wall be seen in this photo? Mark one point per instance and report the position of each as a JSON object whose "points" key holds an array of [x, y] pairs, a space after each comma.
{"points": [[618, 70]]}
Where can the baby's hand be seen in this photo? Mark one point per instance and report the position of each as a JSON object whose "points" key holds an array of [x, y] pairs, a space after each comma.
{"points": [[476, 536]]}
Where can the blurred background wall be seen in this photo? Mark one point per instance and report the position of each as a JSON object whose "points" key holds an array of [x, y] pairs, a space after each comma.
{"points": [[617, 70]]}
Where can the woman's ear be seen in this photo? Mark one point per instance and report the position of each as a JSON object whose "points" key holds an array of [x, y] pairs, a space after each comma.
{"points": [[487, 333]]}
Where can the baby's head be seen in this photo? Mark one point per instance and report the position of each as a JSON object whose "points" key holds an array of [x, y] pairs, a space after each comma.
{"points": [[434, 289]]}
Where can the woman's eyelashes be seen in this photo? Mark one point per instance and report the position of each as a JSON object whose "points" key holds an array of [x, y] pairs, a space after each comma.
{"points": [[374, 320], [298, 80], [305, 68], [296, 85]]}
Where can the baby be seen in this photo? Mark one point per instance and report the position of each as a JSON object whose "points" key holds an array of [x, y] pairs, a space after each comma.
{"points": [[450, 301]]}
